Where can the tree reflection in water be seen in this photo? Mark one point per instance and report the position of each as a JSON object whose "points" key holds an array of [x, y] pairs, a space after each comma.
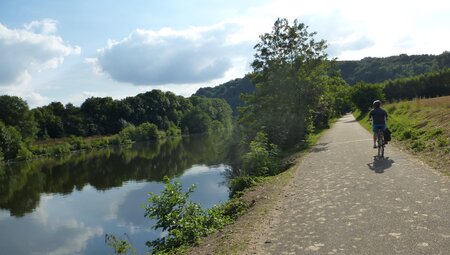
{"points": [[21, 184]]}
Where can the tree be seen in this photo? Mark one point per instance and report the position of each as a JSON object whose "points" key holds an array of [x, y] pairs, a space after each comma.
{"points": [[364, 94], [15, 112], [102, 116], [10, 141], [290, 70]]}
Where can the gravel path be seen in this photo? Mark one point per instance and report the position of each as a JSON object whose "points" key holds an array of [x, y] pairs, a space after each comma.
{"points": [[343, 201]]}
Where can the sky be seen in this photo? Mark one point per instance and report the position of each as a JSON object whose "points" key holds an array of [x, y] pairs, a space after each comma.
{"points": [[67, 51]]}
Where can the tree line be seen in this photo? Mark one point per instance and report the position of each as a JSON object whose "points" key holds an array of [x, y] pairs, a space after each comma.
{"points": [[145, 116], [403, 76], [432, 84], [377, 70]]}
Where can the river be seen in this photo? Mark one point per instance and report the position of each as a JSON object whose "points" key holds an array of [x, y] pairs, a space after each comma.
{"points": [[66, 205]]}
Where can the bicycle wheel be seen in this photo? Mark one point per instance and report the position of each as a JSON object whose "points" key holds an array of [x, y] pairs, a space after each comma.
{"points": [[380, 143]]}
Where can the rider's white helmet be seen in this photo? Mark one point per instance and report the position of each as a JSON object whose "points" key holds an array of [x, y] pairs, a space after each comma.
{"points": [[376, 102]]}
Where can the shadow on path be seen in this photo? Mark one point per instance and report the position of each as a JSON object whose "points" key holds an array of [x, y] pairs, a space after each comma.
{"points": [[319, 147], [380, 164]]}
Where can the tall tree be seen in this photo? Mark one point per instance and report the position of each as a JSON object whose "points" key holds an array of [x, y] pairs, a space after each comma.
{"points": [[290, 70]]}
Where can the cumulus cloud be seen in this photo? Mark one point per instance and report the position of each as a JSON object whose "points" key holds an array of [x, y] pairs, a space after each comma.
{"points": [[167, 56], [30, 49]]}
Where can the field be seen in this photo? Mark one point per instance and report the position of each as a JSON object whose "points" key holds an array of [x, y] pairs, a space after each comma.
{"points": [[421, 126]]}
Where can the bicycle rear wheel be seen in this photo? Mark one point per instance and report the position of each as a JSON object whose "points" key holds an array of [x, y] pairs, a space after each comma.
{"points": [[380, 143]]}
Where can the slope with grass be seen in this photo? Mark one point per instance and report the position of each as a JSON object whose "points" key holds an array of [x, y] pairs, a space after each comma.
{"points": [[422, 127]]}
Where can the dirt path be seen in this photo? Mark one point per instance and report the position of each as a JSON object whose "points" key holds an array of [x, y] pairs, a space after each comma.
{"points": [[342, 201]]}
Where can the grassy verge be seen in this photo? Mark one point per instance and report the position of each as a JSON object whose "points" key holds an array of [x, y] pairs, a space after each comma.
{"points": [[420, 126]]}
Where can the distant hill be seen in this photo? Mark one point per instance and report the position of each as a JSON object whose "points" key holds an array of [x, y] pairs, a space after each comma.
{"points": [[376, 70], [368, 70], [230, 91]]}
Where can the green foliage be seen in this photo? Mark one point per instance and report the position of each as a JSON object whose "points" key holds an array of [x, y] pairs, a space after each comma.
{"points": [[24, 153], [426, 85], [262, 159], [234, 208], [120, 246], [240, 183], [78, 143], [290, 73], [184, 221], [206, 115], [376, 70], [144, 132], [60, 149], [15, 113], [230, 91], [363, 95], [10, 141]]}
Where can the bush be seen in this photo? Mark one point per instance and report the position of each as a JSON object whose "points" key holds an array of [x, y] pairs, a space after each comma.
{"points": [[262, 158], [77, 143], [184, 221], [241, 183], [10, 141], [60, 149], [144, 132], [100, 143], [24, 153]]}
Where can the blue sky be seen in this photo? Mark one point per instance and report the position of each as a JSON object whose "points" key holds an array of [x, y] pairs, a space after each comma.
{"points": [[67, 51]]}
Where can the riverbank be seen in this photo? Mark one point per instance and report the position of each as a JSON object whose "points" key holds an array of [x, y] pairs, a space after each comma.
{"points": [[262, 199]]}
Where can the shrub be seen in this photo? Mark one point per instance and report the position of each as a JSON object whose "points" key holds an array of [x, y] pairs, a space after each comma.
{"points": [[77, 143], [234, 208], [241, 183], [100, 143], [10, 141], [60, 149], [144, 132], [184, 221], [24, 153], [262, 158]]}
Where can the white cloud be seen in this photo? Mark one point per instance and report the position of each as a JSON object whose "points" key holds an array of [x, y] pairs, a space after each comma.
{"points": [[356, 29], [46, 26], [353, 29], [167, 56], [31, 49], [35, 99]]}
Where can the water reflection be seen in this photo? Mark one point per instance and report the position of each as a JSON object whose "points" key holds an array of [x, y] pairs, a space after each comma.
{"points": [[65, 206], [22, 184]]}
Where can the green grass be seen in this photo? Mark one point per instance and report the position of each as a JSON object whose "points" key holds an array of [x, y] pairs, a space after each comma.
{"points": [[420, 126]]}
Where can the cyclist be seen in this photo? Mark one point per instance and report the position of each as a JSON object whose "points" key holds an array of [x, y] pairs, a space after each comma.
{"points": [[379, 118]]}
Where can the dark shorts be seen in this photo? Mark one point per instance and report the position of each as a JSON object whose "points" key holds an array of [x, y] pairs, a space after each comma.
{"points": [[377, 127]]}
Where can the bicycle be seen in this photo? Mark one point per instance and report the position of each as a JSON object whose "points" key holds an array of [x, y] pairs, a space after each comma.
{"points": [[380, 143]]}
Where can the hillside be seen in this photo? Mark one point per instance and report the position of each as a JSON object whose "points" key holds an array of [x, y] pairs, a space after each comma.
{"points": [[368, 70], [230, 91], [375, 70]]}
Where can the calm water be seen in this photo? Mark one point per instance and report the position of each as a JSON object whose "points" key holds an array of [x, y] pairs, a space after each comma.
{"points": [[67, 205]]}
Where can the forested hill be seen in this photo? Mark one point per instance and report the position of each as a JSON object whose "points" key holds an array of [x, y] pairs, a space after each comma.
{"points": [[376, 70], [368, 70], [230, 91]]}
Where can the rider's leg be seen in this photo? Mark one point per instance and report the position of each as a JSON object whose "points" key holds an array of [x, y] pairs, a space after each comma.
{"points": [[374, 140]]}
